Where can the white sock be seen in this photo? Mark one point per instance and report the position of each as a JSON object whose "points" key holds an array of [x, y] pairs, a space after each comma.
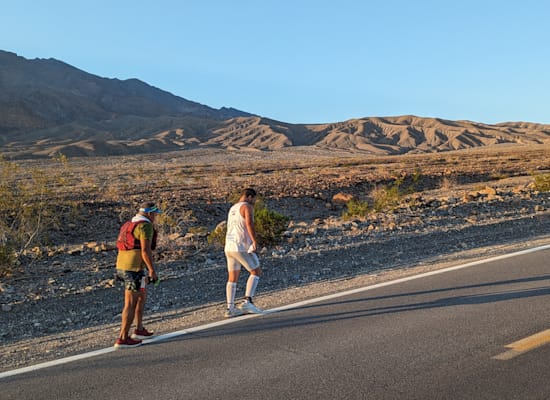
{"points": [[251, 285], [230, 290]]}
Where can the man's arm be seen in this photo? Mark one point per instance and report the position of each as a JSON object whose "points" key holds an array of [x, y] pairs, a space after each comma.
{"points": [[147, 257]]}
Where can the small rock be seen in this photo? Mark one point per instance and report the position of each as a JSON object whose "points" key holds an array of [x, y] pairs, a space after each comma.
{"points": [[342, 198], [174, 236], [75, 250]]}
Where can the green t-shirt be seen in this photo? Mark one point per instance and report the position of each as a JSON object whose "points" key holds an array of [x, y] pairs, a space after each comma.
{"points": [[130, 260]]}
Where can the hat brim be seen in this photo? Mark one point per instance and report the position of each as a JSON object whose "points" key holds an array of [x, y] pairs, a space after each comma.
{"points": [[153, 209]]}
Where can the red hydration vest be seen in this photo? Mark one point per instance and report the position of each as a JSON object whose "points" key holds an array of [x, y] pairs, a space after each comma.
{"points": [[126, 239]]}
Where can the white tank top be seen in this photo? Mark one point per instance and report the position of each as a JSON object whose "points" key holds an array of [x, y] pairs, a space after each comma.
{"points": [[237, 237]]}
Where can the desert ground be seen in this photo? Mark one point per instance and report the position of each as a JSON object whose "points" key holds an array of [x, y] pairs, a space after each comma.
{"points": [[459, 206]]}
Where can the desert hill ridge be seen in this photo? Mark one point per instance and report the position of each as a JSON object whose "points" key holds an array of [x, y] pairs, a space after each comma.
{"points": [[49, 107]]}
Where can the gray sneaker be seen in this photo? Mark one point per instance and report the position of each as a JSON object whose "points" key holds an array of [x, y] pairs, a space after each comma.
{"points": [[232, 312], [249, 308]]}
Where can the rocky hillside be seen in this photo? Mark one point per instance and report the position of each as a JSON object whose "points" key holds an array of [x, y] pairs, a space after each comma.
{"points": [[48, 100], [49, 107]]}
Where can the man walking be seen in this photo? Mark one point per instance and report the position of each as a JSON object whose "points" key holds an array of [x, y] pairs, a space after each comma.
{"points": [[240, 251], [134, 265]]}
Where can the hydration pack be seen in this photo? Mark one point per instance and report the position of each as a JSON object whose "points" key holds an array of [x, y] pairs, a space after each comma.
{"points": [[126, 239]]}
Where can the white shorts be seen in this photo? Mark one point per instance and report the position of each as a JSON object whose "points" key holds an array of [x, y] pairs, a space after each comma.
{"points": [[238, 259]]}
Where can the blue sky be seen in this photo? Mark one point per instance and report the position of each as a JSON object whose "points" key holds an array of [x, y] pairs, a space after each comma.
{"points": [[305, 61]]}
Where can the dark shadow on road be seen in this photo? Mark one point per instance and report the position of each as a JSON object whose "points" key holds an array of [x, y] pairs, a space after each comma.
{"points": [[433, 291], [288, 318]]}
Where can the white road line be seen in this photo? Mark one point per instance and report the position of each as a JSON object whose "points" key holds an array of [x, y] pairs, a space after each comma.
{"points": [[273, 310], [408, 278], [56, 362]]}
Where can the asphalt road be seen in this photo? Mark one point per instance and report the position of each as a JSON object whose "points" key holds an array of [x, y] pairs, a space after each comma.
{"points": [[440, 336]]}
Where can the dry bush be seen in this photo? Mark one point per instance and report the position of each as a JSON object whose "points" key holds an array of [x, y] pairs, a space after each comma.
{"points": [[448, 183], [29, 207], [542, 182]]}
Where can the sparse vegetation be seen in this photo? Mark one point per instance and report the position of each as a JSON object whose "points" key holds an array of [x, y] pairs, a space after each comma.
{"points": [[386, 197], [356, 208], [447, 183], [28, 208], [83, 191], [389, 196], [542, 182], [217, 236], [269, 225]]}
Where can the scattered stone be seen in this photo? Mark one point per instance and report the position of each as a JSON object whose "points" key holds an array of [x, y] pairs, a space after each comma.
{"points": [[488, 191], [175, 236], [75, 250], [342, 198]]}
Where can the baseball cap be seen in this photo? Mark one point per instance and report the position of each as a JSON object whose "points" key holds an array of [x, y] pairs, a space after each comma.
{"points": [[150, 208]]}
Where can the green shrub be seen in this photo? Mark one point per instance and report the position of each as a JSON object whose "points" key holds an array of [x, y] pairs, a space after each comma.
{"points": [[269, 225], [386, 197], [356, 208], [389, 197], [217, 236], [542, 182]]}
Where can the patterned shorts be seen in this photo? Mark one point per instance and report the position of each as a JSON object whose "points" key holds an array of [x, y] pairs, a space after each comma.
{"points": [[132, 279]]}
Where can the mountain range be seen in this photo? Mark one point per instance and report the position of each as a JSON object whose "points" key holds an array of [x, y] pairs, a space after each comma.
{"points": [[48, 107]]}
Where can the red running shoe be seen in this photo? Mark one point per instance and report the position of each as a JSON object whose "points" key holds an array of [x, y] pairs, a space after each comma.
{"points": [[125, 344], [141, 334]]}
